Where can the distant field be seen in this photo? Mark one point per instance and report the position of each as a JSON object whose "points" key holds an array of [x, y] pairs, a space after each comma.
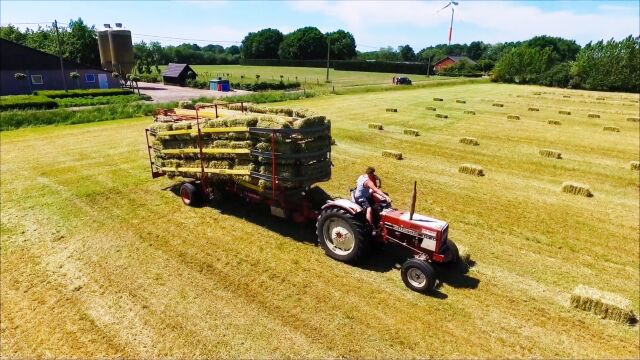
{"points": [[310, 77], [99, 260]]}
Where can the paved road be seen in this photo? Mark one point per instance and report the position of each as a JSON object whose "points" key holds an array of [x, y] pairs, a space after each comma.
{"points": [[165, 93]]}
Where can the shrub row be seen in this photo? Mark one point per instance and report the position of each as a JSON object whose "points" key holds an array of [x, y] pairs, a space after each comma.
{"points": [[17, 102], [382, 66], [97, 100], [59, 94], [264, 85]]}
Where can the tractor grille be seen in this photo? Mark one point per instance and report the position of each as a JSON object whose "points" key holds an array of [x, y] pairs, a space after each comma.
{"points": [[445, 235]]}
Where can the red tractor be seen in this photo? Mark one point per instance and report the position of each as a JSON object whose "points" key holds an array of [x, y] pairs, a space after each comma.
{"points": [[345, 235]]}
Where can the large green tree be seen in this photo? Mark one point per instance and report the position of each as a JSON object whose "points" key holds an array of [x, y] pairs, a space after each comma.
{"points": [[81, 43], [407, 53], [342, 45], [306, 43], [612, 65], [263, 44], [523, 65]]}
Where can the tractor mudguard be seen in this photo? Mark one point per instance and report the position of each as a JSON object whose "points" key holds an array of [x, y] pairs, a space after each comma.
{"points": [[347, 205]]}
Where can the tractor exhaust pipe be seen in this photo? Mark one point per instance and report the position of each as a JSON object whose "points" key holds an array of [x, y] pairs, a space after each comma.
{"points": [[413, 201]]}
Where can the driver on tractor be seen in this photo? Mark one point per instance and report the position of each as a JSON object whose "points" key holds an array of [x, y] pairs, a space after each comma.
{"points": [[366, 189]]}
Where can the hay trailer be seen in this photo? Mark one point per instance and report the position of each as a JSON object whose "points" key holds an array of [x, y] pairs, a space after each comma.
{"points": [[342, 229]]}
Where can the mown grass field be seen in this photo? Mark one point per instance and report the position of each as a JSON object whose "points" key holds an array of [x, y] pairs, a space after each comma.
{"points": [[308, 77], [99, 260]]}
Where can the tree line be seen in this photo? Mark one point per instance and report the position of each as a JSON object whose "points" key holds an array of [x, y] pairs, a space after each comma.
{"points": [[544, 60]]}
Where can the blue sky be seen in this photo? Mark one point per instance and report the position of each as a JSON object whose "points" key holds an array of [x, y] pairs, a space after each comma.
{"points": [[374, 24]]}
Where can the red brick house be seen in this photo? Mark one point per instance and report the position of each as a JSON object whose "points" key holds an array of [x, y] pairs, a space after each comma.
{"points": [[450, 60]]}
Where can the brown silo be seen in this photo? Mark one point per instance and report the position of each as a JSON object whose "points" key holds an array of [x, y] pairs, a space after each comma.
{"points": [[121, 51], [105, 50]]}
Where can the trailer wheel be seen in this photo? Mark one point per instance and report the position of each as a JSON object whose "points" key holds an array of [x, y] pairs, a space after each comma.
{"points": [[418, 275], [341, 235], [189, 194]]}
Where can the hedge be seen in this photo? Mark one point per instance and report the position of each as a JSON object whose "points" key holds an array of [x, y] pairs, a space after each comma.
{"points": [[382, 66], [282, 62], [263, 85], [21, 102], [59, 94]]}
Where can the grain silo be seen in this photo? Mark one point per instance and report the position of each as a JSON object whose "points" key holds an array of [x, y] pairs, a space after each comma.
{"points": [[104, 48], [121, 50]]}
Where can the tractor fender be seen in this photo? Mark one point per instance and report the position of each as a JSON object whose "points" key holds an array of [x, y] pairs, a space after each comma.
{"points": [[344, 204]]}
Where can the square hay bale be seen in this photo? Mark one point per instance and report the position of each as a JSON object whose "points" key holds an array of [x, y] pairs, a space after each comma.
{"points": [[310, 122], [438, 99], [186, 105], [469, 112], [391, 110], [603, 304], [461, 101], [471, 169], [412, 132], [497, 105], [513, 117], [611, 128], [273, 122], [430, 108], [248, 121], [550, 153], [566, 96], [554, 122], [160, 126], [564, 112], [633, 119], [576, 189], [601, 98], [533, 109], [376, 126], [442, 116], [537, 93], [635, 165], [593, 116], [392, 154], [469, 141]]}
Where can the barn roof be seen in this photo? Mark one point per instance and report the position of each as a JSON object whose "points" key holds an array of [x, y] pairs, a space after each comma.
{"points": [[175, 70], [456, 59], [14, 56]]}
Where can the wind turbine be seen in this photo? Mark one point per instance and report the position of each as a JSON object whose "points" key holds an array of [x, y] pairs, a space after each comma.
{"points": [[453, 4]]}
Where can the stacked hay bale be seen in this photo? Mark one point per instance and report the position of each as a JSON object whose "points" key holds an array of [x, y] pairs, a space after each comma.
{"points": [[231, 151], [576, 189]]}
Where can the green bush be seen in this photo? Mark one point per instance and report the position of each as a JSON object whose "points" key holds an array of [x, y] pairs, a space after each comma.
{"points": [[198, 84], [382, 66], [151, 78], [262, 97], [58, 94], [15, 102], [15, 119], [97, 100], [264, 85]]}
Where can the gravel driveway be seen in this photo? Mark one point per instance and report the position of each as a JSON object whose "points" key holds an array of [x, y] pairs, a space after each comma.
{"points": [[164, 93]]}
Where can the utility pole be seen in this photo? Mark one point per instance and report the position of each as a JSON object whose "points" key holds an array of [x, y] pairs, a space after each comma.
{"points": [[64, 81], [328, 52]]}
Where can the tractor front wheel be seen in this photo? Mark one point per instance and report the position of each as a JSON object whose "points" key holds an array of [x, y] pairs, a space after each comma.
{"points": [[341, 235], [418, 275], [189, 194]]}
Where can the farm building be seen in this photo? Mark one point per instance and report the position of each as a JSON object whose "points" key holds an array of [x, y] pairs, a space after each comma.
{"points": [[42, 72], [178, 74], [450, 60]]}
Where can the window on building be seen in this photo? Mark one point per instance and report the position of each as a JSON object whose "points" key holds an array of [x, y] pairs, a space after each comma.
{"points": [[36, 79], [90, 78]]}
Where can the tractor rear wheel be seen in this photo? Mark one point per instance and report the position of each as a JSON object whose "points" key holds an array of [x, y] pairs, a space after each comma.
{"points": [[189, 194], [453, 254], [341, 235], [418, 275]]}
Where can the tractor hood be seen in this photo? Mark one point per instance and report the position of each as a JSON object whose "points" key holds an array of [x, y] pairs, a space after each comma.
{"points": [[425, 221]]}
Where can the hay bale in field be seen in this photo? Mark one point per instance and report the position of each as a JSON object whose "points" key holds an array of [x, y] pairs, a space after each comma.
{"points": [[497, 105], [635, 165], [469, 141], [564, 112], [310, 122], [430, 108], [469, 112], [438, 99], [412, 132], [392, 154], [186, 105], [633, 119], [513, 117], [566, 96], [550, 153], [611, 128], [391, 110], [471, 169], [537, 93], [603, 304], [554, 122], [576, 189], [461, 101], [600, 98], [593, 116], [376, 126], [442, 116], [333, 141], [533, 109]]}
